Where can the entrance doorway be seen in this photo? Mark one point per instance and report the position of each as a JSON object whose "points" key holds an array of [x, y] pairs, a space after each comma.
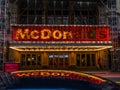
{"points": [[59, 60], [85, 59], [30, 60]]}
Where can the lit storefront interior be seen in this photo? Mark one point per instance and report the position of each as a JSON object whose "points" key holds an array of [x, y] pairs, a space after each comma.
{"points": [[59, 57]]}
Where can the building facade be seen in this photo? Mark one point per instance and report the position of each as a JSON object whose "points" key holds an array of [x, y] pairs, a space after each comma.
{"points": [[60, 34]]}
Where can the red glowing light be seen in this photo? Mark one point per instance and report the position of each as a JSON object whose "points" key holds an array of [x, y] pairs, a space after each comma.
{"points": [[10, 67], [61, 33], [63, 74]]}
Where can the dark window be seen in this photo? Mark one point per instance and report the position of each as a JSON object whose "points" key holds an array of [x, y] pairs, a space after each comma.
{"points": [[88, 59], [93, 59], [58, 4], [22, 59], [78, 59], [65, 4], [39, 4], [82, 13], [23, 20], [57, 20], [33, 59], [28, 59], [51, 59], [39, 59], [31, 19], [66, 59], [83, 62], [50, 4]]}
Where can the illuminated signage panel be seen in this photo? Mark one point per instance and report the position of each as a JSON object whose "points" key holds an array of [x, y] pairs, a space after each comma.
{"points": [[10, 67], [60, 33]]}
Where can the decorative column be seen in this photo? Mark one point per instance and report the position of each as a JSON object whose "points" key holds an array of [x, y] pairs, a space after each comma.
{"points": [[44, 59], [72, 59]]}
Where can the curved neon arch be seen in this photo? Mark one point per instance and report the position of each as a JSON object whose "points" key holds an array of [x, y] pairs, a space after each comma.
{"points": [[60, 74]]}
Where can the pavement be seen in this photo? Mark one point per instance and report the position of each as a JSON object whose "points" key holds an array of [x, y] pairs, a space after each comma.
{"points": [[102, 72], [113, 76], [108, 74]]}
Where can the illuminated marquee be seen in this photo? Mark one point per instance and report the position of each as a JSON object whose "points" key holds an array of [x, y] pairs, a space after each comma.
{"points": [[63, 74], [60, 33]]}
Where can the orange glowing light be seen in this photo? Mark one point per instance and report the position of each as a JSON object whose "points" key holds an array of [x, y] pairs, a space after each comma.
{"points": [[61, 33], [62, 74]]}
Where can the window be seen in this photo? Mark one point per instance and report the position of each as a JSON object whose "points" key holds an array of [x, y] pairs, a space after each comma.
{"points": [[78, 59], [66, 59], [39, 4], [28, 59], [22, 59], [50, 4], [77, 20], [38, 20], [39, 59], [83, 62], [65, 20], [65, 4], [33, 59], [23, 20], [88, 59], [57, 20], [54, 20], [93, 59], [58, 59], [31, 19], [50, 20], [58, 4], [50, 59]]}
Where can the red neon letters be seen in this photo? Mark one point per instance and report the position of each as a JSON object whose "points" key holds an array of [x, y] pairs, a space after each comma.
{"points": [[51, 74], [60, 33]]}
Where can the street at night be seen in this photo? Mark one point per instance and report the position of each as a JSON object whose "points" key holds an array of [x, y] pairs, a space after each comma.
{"points": [[111, 76], [59, 44]]}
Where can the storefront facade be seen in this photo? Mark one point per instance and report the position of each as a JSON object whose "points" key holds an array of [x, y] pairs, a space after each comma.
{"points": [[60, 47]]}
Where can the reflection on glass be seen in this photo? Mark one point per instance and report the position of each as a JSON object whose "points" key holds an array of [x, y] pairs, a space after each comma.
{"points": [[33, 59], [83, 60], [58, 60], [28, 59], [78, 59], [50, 59], [39, 59], [66, 59], [88, 59], [22, 59], [93, 59], [61, 60]]}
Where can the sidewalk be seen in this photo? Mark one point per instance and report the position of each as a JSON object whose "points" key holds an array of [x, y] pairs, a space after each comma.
{"points": [[101, 72], [93, 72]]}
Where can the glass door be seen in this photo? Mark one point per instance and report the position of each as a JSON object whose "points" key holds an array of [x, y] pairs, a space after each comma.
{"points": [[78, 59], [39, 59], [85, 59], [33, 59], [30, 60], [23, 60], [88, 60], [51, 62], [58, 60]]}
